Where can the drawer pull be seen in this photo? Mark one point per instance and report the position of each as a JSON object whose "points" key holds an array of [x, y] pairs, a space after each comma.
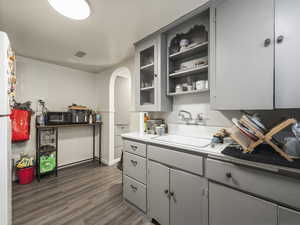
{"points": [[133, 162], [172, 194], [167, 193], [228, 175], [205, 192], [134, 188], [134, 147]]}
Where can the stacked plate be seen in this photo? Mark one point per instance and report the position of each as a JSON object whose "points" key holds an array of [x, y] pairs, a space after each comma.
{"points": [[248, 131]]}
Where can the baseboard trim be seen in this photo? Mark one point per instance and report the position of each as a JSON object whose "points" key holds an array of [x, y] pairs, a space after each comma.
{"points": [[103, 161], [74, 163], [115, 161]]}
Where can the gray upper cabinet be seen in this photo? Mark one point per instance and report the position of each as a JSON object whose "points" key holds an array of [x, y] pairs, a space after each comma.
{"points": [[287, 66], [288, 217], [150, 75], [242, 54], [230, 207], [189, 200]]}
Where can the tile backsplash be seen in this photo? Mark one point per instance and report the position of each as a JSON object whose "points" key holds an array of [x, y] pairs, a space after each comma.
{"points": [[213, 120]]}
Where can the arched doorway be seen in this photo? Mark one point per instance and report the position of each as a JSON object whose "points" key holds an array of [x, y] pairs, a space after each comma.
{"points": [[124, 73]]}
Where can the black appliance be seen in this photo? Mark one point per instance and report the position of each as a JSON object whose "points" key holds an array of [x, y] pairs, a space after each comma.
{"points": [[58, 118], [80, 116]]}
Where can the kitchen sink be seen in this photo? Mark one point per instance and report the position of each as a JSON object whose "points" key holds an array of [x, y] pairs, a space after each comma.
{"points": [[182, 140]]}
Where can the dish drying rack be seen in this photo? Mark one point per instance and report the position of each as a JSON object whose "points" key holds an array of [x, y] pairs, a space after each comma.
{"points": [[249, 144]]}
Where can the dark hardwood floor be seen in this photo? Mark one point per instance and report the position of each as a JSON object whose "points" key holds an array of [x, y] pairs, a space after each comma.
{"points": [[85, 194]]}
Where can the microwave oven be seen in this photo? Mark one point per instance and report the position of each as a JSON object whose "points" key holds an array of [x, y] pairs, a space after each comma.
{"points": [[58, 118]]}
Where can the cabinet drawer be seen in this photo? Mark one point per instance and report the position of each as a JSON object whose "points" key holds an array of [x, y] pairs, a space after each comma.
{"points": [[135, 193], [135, 147], [266, 184], [135, 167], [184, 161]]}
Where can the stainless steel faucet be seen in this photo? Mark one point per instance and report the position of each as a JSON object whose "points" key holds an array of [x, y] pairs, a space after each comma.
{"points": [[182, 114], [186, 116]]}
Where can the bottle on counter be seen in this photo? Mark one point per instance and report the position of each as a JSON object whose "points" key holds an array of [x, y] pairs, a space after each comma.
{"points": [[146, 118], [91, 118], [98, 117], [41, 113]]}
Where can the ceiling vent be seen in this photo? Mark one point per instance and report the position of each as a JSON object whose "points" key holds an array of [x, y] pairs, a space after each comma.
{"points": [[80, 54]]}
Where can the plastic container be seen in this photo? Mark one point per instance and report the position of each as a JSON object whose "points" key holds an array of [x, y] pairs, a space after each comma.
{"points": [[25, 175]]}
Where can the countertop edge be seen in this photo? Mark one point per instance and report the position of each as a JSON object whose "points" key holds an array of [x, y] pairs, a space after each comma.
{"points": [[285, 171]]}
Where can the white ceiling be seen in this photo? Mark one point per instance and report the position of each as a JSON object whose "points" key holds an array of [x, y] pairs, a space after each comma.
{"points": [[107, 36]]}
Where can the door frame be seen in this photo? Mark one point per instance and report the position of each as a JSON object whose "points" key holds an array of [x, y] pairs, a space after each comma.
{"points": [[120, 72]]}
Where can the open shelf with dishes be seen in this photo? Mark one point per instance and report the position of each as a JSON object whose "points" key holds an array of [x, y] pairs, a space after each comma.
{"points": [[189, 71], [192, 50], [187, 64], [189, 92]]}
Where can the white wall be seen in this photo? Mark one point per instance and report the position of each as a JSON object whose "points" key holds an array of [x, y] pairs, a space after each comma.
{"points": [[59, 87]]}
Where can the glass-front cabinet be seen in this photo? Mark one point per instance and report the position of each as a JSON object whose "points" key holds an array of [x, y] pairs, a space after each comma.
{"points": [[150, 76]]}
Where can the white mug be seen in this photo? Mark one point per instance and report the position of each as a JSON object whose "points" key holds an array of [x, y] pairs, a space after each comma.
{"points": [[200, 84]]}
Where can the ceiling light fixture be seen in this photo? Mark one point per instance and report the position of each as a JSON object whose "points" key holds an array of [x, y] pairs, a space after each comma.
{"points": [[74, 9]]}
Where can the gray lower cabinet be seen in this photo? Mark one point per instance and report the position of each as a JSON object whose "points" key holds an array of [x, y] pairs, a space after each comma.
{"points": [[189, 204], [288, 217], [134, 174], [135, 192], [158, 190], [243, 178], [176, 197], [135, 167], [231, 207]]}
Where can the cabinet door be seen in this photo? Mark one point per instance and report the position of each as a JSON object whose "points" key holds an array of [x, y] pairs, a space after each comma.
{"points": [[189, 202], [230, 207], [146, 67], [242, 55], [287, 66], [288, 217], [158, 187]]}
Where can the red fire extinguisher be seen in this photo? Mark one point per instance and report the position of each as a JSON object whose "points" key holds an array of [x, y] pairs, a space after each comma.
{"points": [[20, 125]]}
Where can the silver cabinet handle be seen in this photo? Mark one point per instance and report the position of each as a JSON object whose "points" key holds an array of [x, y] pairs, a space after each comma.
{"points": [[134, 147], [228, 175], [280, 39], [267, 42], [172, 194], [134, 188], [134, 162], [205, 192], [167, 193]]}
